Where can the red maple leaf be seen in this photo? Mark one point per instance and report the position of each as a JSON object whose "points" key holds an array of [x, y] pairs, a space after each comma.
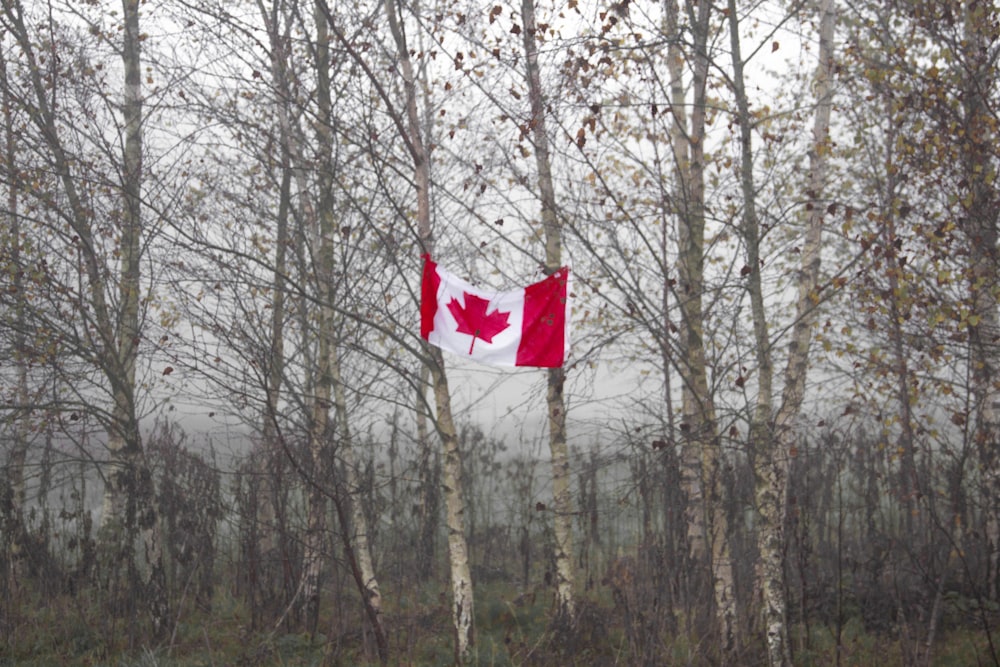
{"points": [[475, 321]]}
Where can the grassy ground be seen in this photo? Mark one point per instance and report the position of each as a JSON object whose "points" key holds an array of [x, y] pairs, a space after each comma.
{"points": [[512, 629]]}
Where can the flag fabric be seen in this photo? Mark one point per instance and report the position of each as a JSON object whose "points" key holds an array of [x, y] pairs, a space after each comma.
{"points": [[522, 327]]}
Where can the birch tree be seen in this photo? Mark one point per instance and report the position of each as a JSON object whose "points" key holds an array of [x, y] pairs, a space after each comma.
{"points": [[771, 443], [347, 496], [270, 456], [451, 477], [934, 68], [14, 480], [981, 206], [562, 497], [321, 403], [353, 519], [701, 452], [241, 280], [107, 310], [763, 451]]}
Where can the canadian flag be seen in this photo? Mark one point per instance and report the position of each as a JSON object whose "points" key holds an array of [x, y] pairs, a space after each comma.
{"points": [[522, 327]]}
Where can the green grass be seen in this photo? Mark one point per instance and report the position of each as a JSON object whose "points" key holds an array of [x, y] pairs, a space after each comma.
{"points": [[955, 648], [512, 630]]}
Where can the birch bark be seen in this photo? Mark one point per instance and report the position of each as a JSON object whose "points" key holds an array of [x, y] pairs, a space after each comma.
{"points": [[355, 530], [42, 114], [320, 404], [679, 139], [354, 522], [701, 456], [562, 500], [771, 465], [126, 434], [148, 521], [761, 443], [110, 316], [429, 470], [269, 461], [458, 551], [14, 527]]}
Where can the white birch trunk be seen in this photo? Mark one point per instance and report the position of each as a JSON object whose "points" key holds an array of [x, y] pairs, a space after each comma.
{"points": [[429, 471], [131, 482], [11, 244], [562, 499], [270, 453], [772, 471], [701, 457], [458, 552], [129, 511], [320, 403], [356, 541], [761, 442], [691, 461]]}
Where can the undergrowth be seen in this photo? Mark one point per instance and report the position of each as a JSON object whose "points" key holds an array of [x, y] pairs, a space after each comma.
{"points": [[512, 629]]}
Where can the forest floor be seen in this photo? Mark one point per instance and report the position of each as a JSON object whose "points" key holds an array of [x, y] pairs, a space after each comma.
{"points": [[511, 629]]}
